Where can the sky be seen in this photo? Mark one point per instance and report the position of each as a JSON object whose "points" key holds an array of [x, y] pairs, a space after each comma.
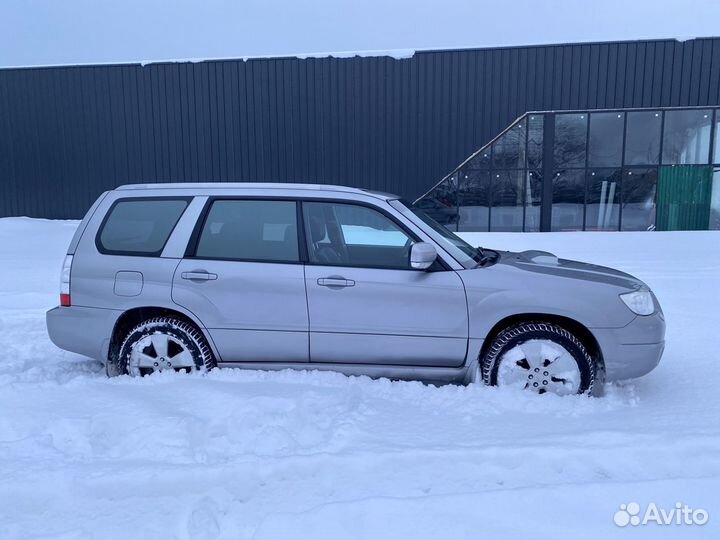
{"points": [[51, 32]]}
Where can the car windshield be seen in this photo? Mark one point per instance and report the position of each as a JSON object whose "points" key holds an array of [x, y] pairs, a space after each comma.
{"points": [[466, 254]]}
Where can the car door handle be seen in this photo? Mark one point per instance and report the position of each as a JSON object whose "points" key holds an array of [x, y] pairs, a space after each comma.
{"points": [[335, 281], [198, 275]]}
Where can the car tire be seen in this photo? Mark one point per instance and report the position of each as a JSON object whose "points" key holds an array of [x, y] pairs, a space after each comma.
{"points": [[164, 343], [524, 354]]}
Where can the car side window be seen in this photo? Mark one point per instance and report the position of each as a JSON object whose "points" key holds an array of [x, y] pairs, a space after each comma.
{"points": [[341, 234], [250, 230], [139, 226]]}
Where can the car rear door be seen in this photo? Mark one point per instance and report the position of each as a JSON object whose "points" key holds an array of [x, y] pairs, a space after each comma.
{"points": [[244, 280], [366, 305]]}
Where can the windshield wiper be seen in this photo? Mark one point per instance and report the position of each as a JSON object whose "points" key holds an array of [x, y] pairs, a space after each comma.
{"points": [[486, 256]]}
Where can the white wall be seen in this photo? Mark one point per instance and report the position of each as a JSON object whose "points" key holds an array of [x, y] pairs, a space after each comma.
{"points": [[47, 32]]}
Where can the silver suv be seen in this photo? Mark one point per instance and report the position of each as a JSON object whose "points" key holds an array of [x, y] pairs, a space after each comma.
{"points": [[274, 276]]}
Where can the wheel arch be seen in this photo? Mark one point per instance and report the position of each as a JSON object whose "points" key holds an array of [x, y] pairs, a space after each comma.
{"points": [[578, 329], [134, 316]]}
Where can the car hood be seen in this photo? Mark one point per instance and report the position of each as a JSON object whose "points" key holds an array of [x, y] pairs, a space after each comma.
{"points": [[543, 262]]}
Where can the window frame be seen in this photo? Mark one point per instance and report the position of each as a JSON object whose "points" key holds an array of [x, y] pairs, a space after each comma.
{"points": [[192, 245], [104, 251]]}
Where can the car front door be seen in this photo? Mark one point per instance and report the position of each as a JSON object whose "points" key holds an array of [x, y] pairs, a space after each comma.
{"points": [[244, 280], [366, 305]]}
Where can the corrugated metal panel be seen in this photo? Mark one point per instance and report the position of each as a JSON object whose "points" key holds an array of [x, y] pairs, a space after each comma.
{"points": [[684, 197], [68, 133]]}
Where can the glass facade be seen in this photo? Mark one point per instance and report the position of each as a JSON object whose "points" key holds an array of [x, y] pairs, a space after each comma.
{"points": [[589, 170]]}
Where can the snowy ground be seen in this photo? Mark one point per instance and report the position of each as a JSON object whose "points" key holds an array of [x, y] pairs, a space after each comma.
{"points": [[318, 455]]}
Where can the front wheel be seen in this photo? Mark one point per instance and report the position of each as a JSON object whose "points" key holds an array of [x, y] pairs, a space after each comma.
{"points": [[164, 344], [540, 357]]}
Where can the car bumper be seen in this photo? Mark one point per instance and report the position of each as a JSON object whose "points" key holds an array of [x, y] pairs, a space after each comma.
{"points": [[82, 330], [635, 349]]}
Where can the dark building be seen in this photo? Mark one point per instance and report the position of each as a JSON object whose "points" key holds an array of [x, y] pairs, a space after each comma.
{"points": [[397, 125]]}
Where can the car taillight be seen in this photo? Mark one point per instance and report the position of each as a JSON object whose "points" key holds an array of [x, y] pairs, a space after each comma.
{"points": [[65, 281]]}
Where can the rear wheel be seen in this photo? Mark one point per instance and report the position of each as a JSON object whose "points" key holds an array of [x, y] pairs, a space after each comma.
{"points": [[540, 357], [164, 344]]}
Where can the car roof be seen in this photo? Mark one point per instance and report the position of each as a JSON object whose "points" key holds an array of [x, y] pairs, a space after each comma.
{"points": [[256, 186]]}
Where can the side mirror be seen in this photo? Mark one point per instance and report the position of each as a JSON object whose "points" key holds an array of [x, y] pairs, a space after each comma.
{"points": [[422, 255]]}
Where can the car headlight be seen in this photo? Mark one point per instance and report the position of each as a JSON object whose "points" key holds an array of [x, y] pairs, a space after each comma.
{"points": [[640, 302]]}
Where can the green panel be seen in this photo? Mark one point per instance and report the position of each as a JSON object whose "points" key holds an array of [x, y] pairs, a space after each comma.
{"points": [[683, 198]]}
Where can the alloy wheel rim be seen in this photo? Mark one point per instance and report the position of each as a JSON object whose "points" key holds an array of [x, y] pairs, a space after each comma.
{"points": [[159, 352], [541, 366]]}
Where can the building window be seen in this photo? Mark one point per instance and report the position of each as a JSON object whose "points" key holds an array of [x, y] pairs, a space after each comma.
{"points": [[605, 145], [507, 201], [570, 140], [441, 203], [508, 151], [474, 201], [639, 187], [533, 200], [568, 202], [642, 138], [686, 137], [535, 141], [602, 209], [480, 161]]}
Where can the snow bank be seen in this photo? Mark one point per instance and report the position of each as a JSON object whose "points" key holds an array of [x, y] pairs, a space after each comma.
{"points": [[397, 54], [242, 454]]}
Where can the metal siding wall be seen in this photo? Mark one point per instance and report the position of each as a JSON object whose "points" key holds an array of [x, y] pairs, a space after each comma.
{"points": [[684, 195], [68, 133]]}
